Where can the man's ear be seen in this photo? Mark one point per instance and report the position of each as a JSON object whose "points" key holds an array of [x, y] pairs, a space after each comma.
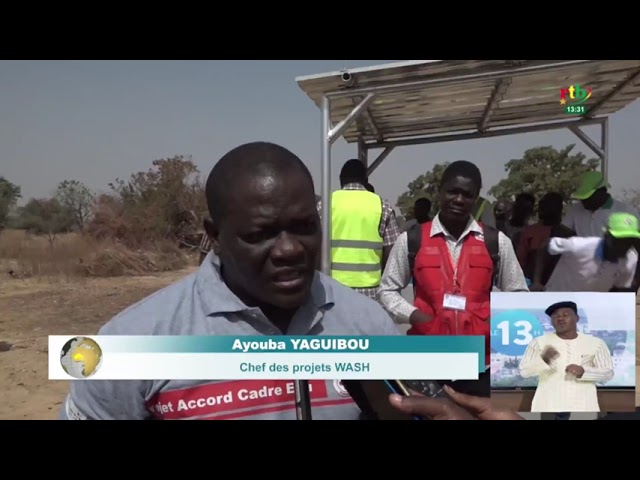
{"points": [[213, 234]]}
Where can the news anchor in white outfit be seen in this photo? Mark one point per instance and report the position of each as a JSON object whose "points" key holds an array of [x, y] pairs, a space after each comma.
{"points": [[568, 364]]}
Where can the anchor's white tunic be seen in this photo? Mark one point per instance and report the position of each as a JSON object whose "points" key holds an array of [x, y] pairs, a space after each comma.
{"points": [[559, 391]]}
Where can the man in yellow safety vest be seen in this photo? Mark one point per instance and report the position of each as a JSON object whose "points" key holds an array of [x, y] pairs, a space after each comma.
{"points": [[363, 230]]}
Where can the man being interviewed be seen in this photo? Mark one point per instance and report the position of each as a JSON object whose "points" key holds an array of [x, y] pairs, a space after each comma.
{"points": [[453, 271], [259, 279]]}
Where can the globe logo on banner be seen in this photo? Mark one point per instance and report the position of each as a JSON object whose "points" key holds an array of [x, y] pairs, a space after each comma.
{"points": [[513, 330], [81, 357]]}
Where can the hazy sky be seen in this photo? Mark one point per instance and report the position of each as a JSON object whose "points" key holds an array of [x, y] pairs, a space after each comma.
{"points": [[95, 121]]}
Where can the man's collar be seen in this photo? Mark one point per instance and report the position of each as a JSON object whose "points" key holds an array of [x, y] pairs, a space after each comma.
{"points": [[353, 186], [437, 227], [216, 297]]}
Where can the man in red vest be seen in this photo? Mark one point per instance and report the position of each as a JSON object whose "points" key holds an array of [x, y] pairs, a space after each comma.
{"points": [[454, 267]]}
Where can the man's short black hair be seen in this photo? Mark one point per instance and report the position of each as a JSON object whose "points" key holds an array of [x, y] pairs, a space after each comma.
{"points": [[462, 168], [353, 171], [422, 201], [525, 197], [250, 159], [553, 199]]}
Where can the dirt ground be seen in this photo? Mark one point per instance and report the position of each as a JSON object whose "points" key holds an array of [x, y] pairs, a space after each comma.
{"points": [[31, 309]]}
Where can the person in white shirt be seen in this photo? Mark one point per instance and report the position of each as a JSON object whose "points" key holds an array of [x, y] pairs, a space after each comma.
{"points": [[568, 364], [589, 215], [597, 264]]}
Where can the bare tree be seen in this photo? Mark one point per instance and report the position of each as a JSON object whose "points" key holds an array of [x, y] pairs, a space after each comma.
{"points": [[77, 199], [9, 195]]}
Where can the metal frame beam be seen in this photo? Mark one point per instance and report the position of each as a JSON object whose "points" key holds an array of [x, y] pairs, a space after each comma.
{"points": [[497, 95], [629, 80], [543, 127], [379, 159], [454, 80]]}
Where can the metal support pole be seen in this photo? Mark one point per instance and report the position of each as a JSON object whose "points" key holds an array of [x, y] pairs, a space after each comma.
{"points": [[376, 163], [363, 152], [587, 141], [339, 129], [325, 154], [604, 142], [603, 150], [301, 387]]}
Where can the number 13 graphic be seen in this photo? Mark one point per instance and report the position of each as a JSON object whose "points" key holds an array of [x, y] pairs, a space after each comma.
{"points": [[513, 330], [520, 330]]}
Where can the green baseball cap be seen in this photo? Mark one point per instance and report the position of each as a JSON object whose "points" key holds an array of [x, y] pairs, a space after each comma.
{"points": [[623, 225], [589, 183]]}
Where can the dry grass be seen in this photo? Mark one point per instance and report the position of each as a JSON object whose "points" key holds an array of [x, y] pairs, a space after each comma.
{"points": [[23, 255]]}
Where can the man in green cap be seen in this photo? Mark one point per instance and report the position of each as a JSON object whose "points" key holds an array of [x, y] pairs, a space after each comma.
{"points": [[604, 263], [588, 217]]}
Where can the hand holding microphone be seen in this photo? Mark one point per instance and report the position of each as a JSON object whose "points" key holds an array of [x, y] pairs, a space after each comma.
{"points": [[458, 406]]}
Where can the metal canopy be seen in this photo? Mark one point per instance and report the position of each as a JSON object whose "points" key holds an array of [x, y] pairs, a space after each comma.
{"points": [[421, 98], [431, 101]]}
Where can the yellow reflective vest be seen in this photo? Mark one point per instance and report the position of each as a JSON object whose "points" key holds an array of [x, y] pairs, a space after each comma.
{"points": [[356, 244]]}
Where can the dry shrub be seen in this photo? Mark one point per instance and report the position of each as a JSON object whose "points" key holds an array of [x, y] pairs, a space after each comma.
{"points": [[115, 260], [25, 255], [135, 229], [109, 219], [164, 203]]}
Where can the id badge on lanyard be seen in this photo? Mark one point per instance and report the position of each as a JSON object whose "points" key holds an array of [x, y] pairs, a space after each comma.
{"points": [[454, 302]]}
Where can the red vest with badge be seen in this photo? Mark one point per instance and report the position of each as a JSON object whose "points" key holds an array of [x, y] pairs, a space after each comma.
{"points": [[457, 298]]}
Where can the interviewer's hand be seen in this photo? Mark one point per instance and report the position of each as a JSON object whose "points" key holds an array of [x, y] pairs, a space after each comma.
{"points": [[460, 407]]}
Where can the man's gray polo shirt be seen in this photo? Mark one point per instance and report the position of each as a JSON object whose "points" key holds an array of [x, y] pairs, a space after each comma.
{"points": [[201, 304]]}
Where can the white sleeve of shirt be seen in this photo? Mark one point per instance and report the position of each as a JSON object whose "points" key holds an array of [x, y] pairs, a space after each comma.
{"points": [[532, 364], [559, 246], [602, 369], [396, 277], [510, 275], [574, 246], [626, 274]]}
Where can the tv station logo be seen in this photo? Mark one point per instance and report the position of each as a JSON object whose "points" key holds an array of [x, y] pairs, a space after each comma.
{"points": [[574, 98]]}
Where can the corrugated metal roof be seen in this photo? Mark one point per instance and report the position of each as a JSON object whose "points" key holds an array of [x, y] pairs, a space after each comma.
{"points": [[469, 95]]}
